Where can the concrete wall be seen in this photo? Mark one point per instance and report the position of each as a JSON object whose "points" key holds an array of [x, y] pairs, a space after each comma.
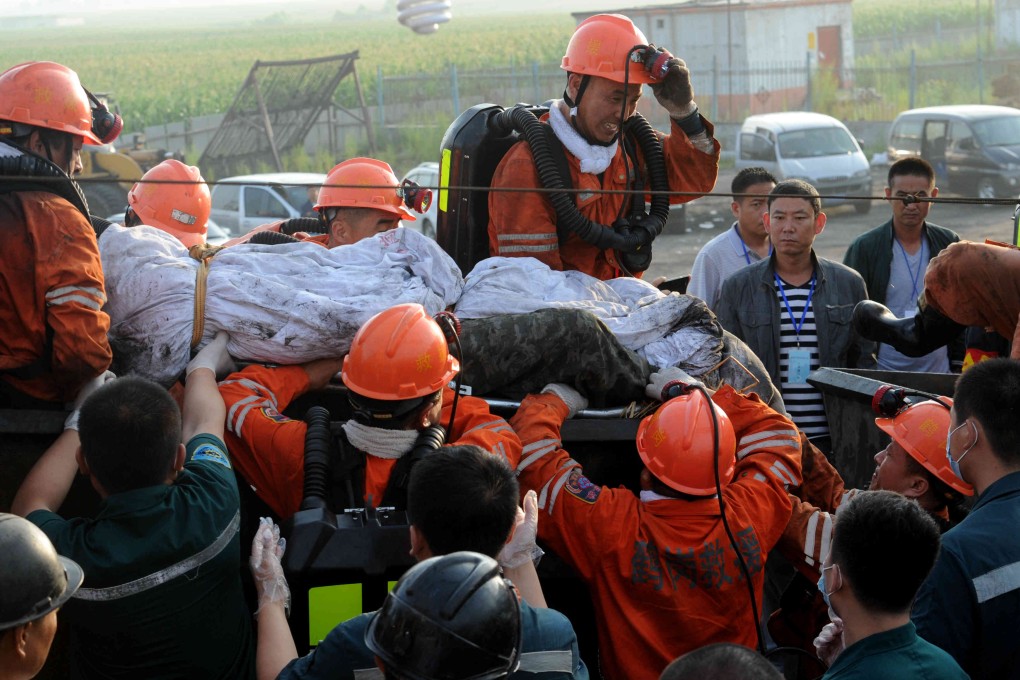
{"points": [[744, 35]]}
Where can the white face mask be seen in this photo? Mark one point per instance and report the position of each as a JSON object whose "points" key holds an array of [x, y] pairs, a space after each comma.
{"points": [[955, 464]]}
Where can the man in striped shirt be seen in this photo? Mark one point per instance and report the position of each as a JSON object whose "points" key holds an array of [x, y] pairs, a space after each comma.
{"points": [[794, 309]]}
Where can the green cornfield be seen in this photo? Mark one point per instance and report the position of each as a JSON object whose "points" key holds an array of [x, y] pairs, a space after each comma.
{"points": [[159, 75]]}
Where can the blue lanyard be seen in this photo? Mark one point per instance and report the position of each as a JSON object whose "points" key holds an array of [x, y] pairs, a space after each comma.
{"points": [[797, 325], [747, 256], [920, 265]]}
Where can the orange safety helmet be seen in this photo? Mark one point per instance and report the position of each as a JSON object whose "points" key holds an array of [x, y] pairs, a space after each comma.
{"points": [[677, 444], [921, 429], [181, 210], [363, 183], [47, 95], [599, 47], [400, 353]]}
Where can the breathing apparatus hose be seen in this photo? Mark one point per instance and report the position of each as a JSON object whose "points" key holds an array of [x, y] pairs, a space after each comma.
{"points": [[317, 464], [271, 238], [742, 563], [726, 525], [450, 325], [309, 225], [568, 216]]}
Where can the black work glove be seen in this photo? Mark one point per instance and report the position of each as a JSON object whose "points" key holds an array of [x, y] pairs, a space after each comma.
{"points": [[675, 92]]}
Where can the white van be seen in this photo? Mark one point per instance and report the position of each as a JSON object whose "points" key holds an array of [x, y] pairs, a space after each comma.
{"points": [[809, 146], [239, 204]]}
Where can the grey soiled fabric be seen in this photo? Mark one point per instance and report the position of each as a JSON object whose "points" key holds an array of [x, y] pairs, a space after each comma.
{"points": [[512, 355]]}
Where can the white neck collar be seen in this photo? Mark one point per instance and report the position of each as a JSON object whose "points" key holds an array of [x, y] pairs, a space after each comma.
{"points": [[594, 157]]}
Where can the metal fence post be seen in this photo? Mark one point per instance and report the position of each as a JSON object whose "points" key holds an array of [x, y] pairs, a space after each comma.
{"points": [[535, 83], [513, 79], [807, 73], [715, 90], [980, 56], [454, 90], [913, 79], [379, 96]]}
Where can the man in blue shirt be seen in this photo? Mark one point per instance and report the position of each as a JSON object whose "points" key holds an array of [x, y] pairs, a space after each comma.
{"points": [[459, 498], [883, 546], [969, 604]]}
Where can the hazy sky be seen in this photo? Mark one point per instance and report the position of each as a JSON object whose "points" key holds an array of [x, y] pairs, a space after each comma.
{"points": [[47, 6], [17, 7]]}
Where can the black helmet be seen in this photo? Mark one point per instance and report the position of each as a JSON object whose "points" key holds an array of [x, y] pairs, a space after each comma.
{"points": [[34, 580], [449, 618]]}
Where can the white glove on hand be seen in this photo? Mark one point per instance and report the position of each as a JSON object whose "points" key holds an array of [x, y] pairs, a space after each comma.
{"points": [[574, 400], [657, 381], [266, 550], [214, 356], [88, 388], [829, 643], [521, 548]]}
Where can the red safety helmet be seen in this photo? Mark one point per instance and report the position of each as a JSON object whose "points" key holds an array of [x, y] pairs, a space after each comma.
{"points": [[47, 95], [921, 429], [677, 444], [181, 210], [376, 178], [400, 353], [600, 46]]}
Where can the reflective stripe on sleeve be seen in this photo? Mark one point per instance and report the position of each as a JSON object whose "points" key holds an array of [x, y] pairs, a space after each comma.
{"points": [[550, 447], [88, 302], [767, 440], [814, 553], [86, 295], [997, 582], [553, 661]]}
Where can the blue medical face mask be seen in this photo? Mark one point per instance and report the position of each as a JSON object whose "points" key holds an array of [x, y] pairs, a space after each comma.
{"points": [[954, 465], [822, 587]]}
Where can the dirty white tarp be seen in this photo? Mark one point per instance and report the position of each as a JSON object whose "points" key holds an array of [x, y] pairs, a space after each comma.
{"points": [[643, 318], [281, 304]]}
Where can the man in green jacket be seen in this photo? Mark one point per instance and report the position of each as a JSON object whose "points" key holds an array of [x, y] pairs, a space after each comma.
{"points": [[892, 259]]}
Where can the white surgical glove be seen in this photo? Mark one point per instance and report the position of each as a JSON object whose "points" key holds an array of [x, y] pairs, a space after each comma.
{"points": [[658, 381], [88, 388], [574, 400], [521, 547], [214, 356], [829, 643], [266, 550]]}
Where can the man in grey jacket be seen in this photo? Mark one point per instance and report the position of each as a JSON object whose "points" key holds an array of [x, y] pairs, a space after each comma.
{"points": [[794, 309]]}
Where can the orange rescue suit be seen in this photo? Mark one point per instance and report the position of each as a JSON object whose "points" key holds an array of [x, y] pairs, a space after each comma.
{"points": [[51, 283], [663, 575], [808, 535], [267, 448], [524, 224]]}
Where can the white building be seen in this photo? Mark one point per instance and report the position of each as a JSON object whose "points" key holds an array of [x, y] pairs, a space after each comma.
{"points": [[752, 54]]}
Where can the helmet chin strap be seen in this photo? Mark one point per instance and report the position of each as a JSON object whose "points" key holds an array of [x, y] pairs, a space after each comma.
{"points": [[574, 103], [49, 154]]}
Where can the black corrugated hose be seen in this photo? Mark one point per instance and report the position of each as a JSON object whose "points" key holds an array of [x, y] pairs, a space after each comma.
{"points": [[317, 464], [601, 236]]}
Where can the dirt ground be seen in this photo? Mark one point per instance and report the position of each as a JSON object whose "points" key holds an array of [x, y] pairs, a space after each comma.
{"points": [[705, 217]]}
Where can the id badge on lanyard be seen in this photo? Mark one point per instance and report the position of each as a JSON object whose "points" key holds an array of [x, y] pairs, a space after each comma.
{"points": [[800, 365]]}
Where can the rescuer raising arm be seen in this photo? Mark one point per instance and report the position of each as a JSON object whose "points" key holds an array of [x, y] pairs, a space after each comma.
{"points": [[607, 61]]}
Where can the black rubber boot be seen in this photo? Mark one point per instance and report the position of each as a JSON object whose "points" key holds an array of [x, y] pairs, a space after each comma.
{"points": [[913, 336]]}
